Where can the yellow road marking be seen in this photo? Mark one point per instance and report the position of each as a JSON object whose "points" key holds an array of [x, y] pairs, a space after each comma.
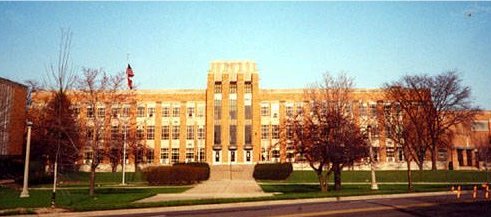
{"points": [[370, 209]]}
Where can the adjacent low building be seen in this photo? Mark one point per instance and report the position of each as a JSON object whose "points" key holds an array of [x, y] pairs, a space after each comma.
{"points": [[13, 97], [233, 121]]}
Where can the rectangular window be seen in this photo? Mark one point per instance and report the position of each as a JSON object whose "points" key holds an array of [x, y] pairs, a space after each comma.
{"points": [[126, 112], [165, 111], [175, 155], [175, 132], [217, 111], [233, 109], [248, 87], [289, 132], [276, 131], [442, 154], [90, 112], [149, 156], [164, 155], [390, 152], [101, 112], [469, 157], [233, 134], [373, 110], [115, 112], [460, 157], [264, 110], [175, 112], [201, 156], [190, 132], [114, 132], [248, 134], [76, 111], [139, 155], [150, 132], [299, 108], [363, 109], [189, 154], [165, 132], [289, 111], [217, 135], [248, 112], [218, 87], [201, 133], [151, 112], [190, 111], [140, 112], [480, 126], [139, 132], [201, 111], [275, 154], [90, 133], [233, 87], [264, 131]]}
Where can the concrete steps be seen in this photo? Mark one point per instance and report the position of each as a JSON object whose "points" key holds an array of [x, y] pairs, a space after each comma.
{"points": [[231, 172]]}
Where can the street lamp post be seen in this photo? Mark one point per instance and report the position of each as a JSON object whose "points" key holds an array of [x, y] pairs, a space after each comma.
{"points": [[372, 166], [124, 155], [25, 190]]}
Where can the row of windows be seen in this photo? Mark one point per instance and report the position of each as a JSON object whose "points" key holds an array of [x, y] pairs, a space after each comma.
{"points": [[191, 156], [275, 131], [150, 135], [233, 87], [217, 110], [233, 134], [140, 112]]}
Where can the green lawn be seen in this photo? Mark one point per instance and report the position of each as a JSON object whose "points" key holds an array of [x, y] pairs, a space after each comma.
{"points": [[295, 191], [81, 179], [395, 176], [108, 197], [78, 199]]}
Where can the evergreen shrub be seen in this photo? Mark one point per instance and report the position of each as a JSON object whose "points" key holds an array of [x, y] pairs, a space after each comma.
{"points": [[272, 171]]}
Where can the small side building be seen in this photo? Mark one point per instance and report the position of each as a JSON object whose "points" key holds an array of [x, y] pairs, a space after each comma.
{"points": [[13, 97]]}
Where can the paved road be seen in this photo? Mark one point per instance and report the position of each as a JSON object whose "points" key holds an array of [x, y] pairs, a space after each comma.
{"points": [[446, 205]]}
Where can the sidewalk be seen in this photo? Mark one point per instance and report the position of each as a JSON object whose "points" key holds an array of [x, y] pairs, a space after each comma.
{"points": [[142, 211], [213, 189]]}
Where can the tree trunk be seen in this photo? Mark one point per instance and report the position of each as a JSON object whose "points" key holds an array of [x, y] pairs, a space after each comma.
{"points": [[92, 180], [434, 153], [323, 181], [409, 177], [421, 165], [337, 177]]}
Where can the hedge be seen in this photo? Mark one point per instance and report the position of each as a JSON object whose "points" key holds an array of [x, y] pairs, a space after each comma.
{"points": [[178, 174], [202, 175], [273, 171]]}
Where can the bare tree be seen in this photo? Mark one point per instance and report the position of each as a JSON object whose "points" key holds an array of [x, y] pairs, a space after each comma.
{"points": [[98, 90], [325, 133], [438, 103], [55, 129]]}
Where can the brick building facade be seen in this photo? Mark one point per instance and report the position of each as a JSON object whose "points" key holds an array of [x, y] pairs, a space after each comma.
{"points": [[12, 117], [233, 121]]}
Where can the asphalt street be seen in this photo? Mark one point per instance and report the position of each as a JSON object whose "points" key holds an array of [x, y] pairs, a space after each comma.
{"points": [[447, 206]]}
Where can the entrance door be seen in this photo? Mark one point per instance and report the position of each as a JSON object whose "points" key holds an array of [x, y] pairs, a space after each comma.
{"points": [[233, 156], [217, 158]]}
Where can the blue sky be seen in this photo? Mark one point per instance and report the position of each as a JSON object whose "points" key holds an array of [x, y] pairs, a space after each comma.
{"points": [[172, 43]]}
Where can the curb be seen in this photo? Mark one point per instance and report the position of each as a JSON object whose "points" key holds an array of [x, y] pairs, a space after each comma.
{"points": [[140, 211]]}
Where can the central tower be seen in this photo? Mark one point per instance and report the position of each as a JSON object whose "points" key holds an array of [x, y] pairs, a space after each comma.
{"points": [[231, 108]]}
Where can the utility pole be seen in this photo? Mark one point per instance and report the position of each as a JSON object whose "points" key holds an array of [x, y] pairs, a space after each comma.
{"points": [[372, 166], [25, 190]]}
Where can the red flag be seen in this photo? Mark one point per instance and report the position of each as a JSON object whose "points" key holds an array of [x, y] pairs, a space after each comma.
{"points": [[129, 74]]}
